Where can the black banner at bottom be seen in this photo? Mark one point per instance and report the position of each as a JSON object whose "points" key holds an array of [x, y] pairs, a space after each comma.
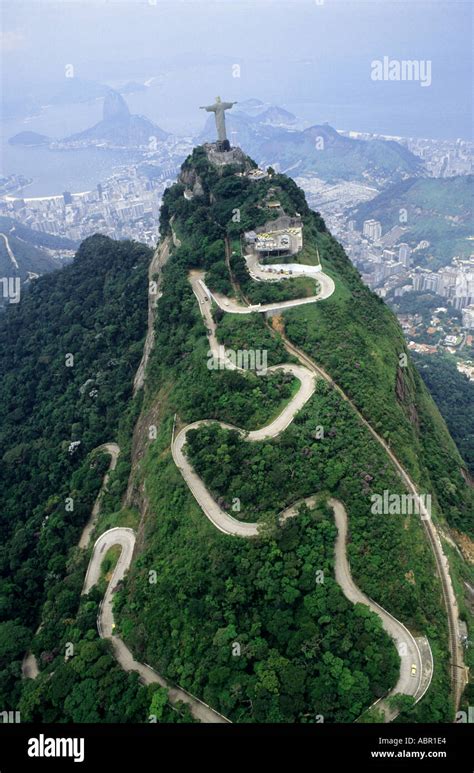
{"points": [[133, 747]]}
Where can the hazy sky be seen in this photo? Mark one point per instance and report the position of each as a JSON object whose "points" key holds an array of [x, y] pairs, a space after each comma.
{"points": [[314, 57]]}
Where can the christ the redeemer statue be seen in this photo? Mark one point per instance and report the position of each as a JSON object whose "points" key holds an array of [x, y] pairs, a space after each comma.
{"points": [[218, 108]]}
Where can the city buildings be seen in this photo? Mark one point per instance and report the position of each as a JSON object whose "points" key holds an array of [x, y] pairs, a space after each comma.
{"points": [[454, 282], [404, 254], [126, 205], [468, 317], [372, 229]]}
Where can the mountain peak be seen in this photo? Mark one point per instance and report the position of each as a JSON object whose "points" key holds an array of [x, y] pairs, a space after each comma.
{"points": [[115, 107], [119, 127]]}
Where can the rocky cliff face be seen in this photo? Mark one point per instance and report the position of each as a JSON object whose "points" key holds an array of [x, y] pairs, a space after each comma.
{"points": [[190, 179]]}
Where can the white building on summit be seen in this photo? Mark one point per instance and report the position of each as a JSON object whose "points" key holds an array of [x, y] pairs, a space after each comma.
{"points": [[283, 236]]}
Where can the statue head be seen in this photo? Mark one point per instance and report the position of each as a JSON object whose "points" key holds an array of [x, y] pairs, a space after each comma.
{"points": [[218, 99]]}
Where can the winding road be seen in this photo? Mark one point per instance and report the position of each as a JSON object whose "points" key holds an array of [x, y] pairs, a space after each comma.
{"points": [[10, 251], [114, 451], [458, 670], [29, 666], [416, 661], [415, 653], [324, 282], [415, 670], [125, 538], [160, 257]]}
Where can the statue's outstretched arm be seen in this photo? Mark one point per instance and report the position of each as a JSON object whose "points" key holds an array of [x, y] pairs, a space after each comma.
{"points": [[209, 108]]}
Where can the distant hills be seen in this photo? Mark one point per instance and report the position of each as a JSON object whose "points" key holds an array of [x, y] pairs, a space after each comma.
{"points": [[29, 138], [260, 112], [26, 253], [270, 135], [119, 127], [71, 91], [439, 210]]}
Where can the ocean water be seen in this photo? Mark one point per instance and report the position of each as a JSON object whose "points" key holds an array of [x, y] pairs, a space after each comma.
{"points": [[58, 171], [172, 101]]}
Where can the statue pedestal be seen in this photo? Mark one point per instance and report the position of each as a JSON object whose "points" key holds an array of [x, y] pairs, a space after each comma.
{"points": [[222, 146], [231, 156]]}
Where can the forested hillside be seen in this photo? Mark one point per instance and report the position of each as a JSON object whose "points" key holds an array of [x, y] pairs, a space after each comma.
{"points": [[453, 393], [68, 354], [213, 591], [258, 628]]}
